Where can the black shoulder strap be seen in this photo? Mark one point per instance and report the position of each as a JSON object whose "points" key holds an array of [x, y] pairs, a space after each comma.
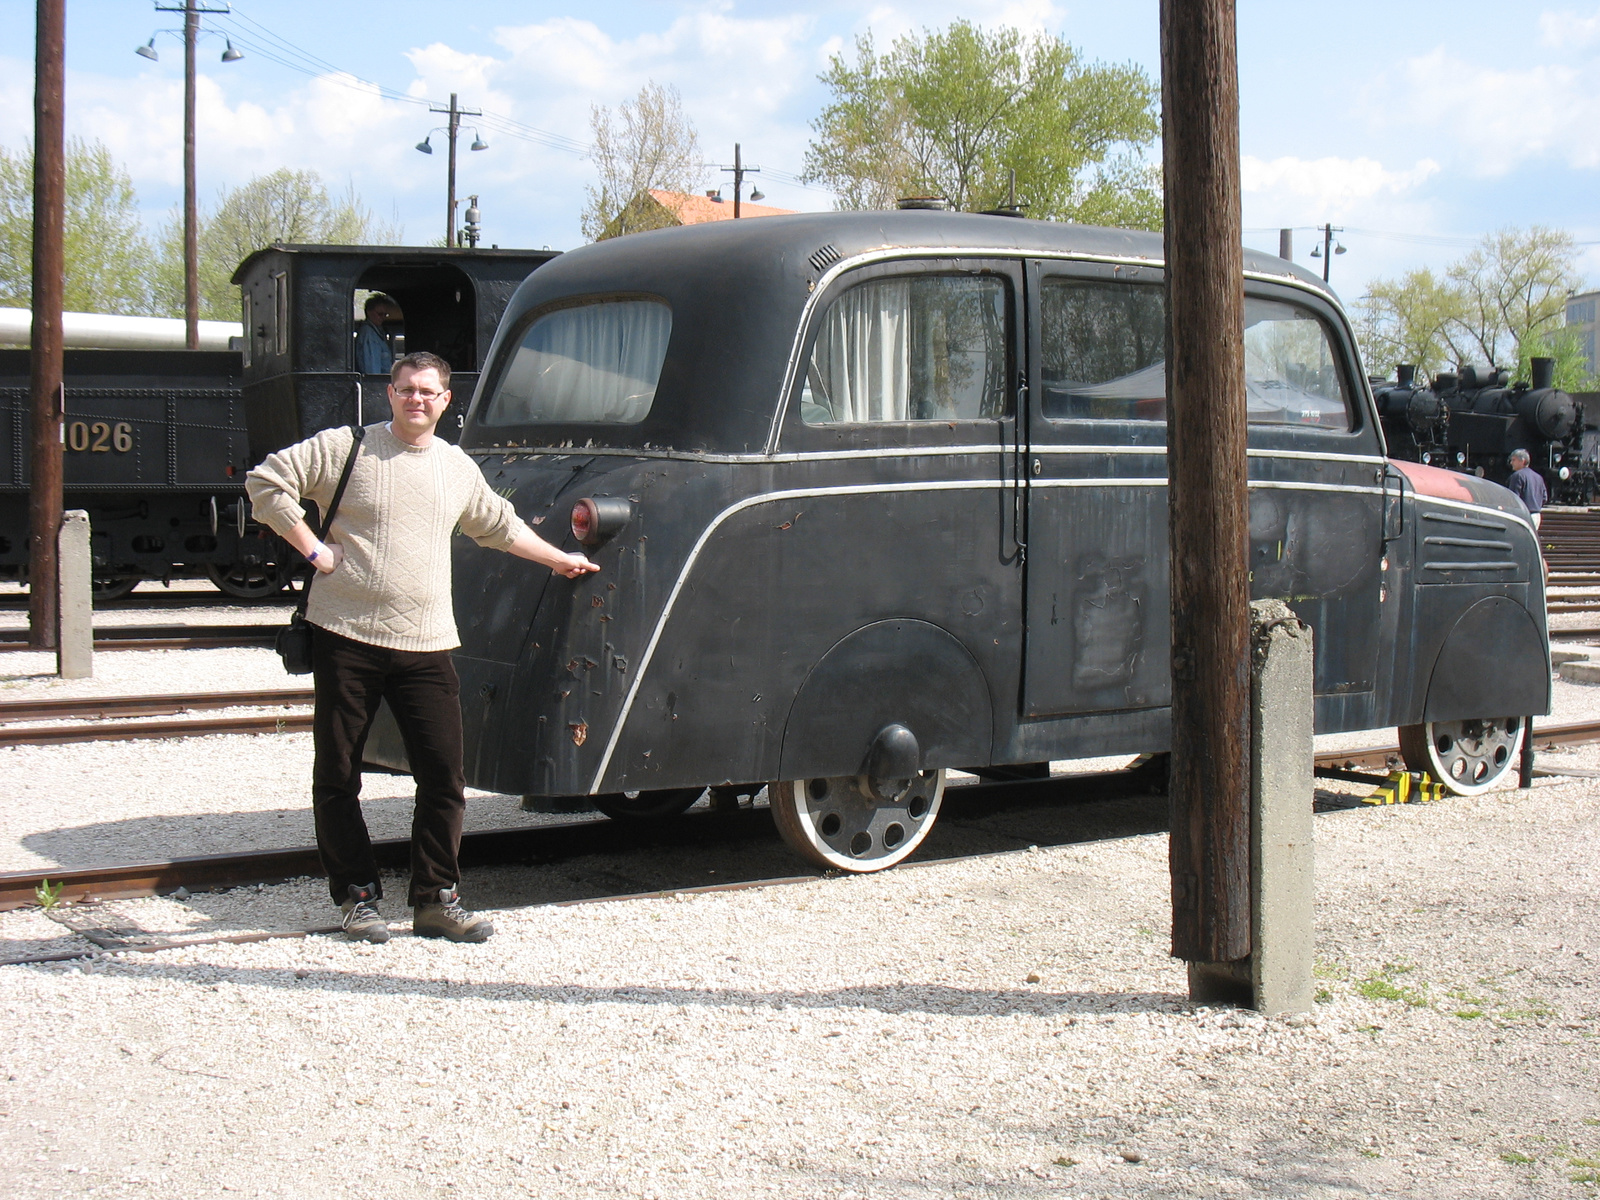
{"points": [[357, 432]]}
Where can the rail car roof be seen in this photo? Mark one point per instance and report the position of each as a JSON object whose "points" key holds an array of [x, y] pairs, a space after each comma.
{"points": [[738, 290], [392, 253]]}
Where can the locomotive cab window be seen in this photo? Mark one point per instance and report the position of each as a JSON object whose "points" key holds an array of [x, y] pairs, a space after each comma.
{"points": [[923, 348], [398, 308], [587, 364]]}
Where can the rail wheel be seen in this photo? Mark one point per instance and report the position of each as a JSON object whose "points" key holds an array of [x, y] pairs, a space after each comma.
{"points": [[101, 590], [246, 581], [647, 806], [1469, 756], [854, 823]]}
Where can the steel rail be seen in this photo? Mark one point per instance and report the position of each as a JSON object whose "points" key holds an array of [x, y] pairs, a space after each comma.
{"points": [[133, 731], [100, 707], [161, 637], [531, 844]]}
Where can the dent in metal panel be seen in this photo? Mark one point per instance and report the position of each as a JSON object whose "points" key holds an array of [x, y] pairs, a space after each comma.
{"points": [[1108, 622]]}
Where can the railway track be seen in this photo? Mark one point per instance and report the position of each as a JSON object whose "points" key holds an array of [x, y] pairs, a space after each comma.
{"points": [[114, 718], [544, 844], [18, 601], [162, 637]]}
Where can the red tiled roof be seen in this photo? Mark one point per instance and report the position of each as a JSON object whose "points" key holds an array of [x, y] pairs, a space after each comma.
{"points": [[694, 210]]}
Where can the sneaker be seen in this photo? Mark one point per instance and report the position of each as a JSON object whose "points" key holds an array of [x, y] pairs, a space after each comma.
{"points": [[361, 920], [447, 919]]}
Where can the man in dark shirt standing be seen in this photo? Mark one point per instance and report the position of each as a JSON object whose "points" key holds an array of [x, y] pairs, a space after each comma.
{"points": [[1526, 484]]}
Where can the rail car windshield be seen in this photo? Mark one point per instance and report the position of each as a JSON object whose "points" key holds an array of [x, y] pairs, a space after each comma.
{"points": [[927, 348], [596, 363], [1102, 358]]}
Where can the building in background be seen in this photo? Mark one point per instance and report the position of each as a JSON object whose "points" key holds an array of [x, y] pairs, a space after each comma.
{"points": [[660, 209], [1581, 312]]}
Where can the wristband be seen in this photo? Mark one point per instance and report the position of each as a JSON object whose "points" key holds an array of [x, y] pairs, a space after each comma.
{"points": [[312, 557]]}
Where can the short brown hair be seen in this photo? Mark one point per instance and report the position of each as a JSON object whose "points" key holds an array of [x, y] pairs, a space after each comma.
{"points": [[421, 360]]}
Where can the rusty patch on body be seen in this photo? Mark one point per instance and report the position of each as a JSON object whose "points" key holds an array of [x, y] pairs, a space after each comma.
{"points": [[580, 732]]}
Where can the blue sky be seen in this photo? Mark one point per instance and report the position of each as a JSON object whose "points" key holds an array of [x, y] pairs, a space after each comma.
{"points": [[1419, 125]]}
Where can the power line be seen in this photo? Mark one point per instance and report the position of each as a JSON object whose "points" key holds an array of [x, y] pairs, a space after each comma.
{"points": [[275, 48]]}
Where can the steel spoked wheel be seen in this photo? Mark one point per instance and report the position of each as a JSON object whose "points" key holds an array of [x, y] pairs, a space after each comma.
{"points": [[647, 806], [856, 823], [1468, 756], [246, 581]]}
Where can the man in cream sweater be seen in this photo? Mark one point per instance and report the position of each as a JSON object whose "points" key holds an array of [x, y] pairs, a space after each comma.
{"points": [[384, 627]]}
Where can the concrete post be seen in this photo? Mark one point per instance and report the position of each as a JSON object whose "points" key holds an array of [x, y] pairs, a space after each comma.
{"points": [[75, 648], [1276, 977], [1282, 726]]}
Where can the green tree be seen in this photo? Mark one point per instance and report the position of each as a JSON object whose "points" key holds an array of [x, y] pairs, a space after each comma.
{"points": [[1405, 321], [108, 258], [645, 144], [285, 206], [1503, 303], [952, 112]]}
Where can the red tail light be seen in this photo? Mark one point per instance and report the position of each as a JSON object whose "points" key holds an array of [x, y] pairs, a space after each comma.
{"points": [[595, 520], [584, 520]]}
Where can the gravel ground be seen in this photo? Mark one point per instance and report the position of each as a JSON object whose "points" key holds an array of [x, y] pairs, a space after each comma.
{"points": [[1004, 1026], [1007, 1026]]}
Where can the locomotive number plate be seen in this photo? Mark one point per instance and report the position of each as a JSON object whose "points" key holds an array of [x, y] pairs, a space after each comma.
{"points": [[99, 437]]}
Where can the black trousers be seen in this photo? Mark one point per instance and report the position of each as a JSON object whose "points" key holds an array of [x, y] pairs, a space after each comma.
{"points": [[351, 678]]}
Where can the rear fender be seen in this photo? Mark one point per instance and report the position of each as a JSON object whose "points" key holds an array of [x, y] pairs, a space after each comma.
{"points": [[905, 672]]}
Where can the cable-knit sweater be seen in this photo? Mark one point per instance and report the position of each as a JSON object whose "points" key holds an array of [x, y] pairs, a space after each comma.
{"points": [[394, 523]]}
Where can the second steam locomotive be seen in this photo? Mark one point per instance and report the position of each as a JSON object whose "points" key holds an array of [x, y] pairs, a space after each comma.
{"points": [[1471, 419]]}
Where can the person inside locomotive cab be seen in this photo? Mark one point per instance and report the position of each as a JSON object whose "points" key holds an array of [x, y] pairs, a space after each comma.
{"points": [[383, 628], [374, 354], [1526, 485]]}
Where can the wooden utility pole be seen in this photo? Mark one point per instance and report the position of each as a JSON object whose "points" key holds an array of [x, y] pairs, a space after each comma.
{"points": [[191, 202], [453, 128], [49, 209], [1209, 528]]}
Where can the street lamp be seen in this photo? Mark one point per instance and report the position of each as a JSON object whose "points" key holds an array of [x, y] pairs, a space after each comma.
{"points": [[1328, 249], [191, 11], [455, 113]]}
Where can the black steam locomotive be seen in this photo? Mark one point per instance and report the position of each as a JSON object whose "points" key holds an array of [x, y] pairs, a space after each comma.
{"points": [[157, 442], [1470, 420]]}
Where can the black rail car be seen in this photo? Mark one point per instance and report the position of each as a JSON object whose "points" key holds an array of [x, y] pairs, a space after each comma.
{"points": [[158, 441], [1471, 419], [155, 449], [878, 495]]}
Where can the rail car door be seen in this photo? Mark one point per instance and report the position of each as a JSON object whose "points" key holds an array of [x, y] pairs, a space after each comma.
{"points": [[1094, 478], [1098, 627]]}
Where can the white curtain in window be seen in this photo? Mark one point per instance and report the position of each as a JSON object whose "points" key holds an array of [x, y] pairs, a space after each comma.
{"points": [[862, 359], [595, 363]]}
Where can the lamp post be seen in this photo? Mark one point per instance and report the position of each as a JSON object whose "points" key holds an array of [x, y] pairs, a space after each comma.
{"points": [[455, 112], [1328, 248], [192, 12]]}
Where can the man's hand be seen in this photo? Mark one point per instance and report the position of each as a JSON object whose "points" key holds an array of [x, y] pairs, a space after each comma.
{"points": [[328, 557], [575, 565]]}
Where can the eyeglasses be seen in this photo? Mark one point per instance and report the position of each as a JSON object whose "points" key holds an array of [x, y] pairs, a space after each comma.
{"points": [[419, 393]]}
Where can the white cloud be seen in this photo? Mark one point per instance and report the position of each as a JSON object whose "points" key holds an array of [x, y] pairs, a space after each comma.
{"points": [[1329, 187], [1567, 30], [1498, 119]]}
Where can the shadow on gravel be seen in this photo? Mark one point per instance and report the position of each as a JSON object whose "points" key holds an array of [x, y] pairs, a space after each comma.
{"points": [[910, 997]]}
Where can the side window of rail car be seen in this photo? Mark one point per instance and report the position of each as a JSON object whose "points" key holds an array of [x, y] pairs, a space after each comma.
{"points": [[1102, 344], [911, 348], [591, 363]]}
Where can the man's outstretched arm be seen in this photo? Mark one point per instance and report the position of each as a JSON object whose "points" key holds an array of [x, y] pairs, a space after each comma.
{"points": [[531, 546]]}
